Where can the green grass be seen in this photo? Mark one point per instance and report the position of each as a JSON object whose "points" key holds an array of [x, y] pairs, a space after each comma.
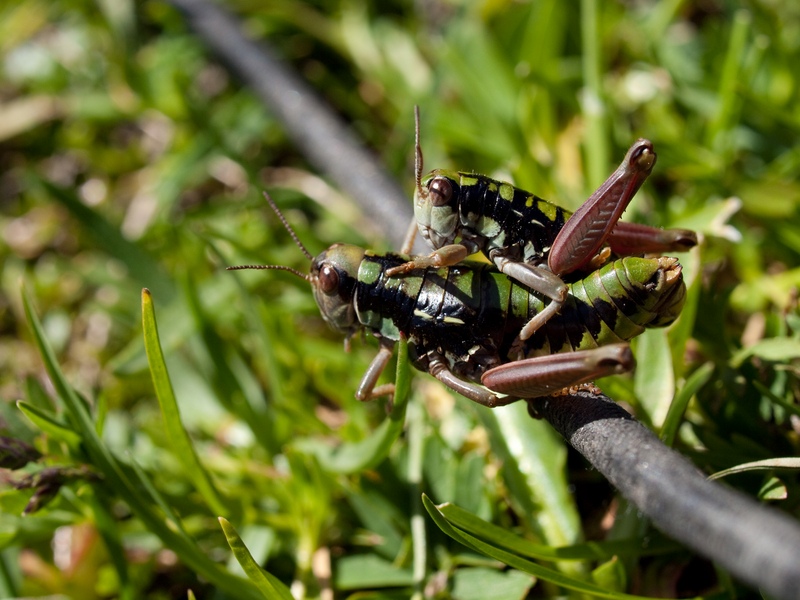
{"points": [[131, 160]]}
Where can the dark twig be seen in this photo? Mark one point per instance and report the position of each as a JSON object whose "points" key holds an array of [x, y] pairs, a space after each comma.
{"points": [[755, 543], [323, 138]]}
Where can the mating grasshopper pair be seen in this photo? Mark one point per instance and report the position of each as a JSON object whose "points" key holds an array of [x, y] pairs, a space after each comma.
{"points": [[496, 335]]}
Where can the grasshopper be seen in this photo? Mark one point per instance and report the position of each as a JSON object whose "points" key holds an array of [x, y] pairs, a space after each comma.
{"points": [[534, 241], [462, 321]]}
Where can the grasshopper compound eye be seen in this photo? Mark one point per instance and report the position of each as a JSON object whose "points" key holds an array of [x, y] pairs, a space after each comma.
{"points": [[440, 191], [328, 280]]}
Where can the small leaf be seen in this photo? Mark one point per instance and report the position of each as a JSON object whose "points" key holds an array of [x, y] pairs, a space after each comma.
{"points": [[269, 585], [479, 583], [771, 349], [49, 424], [611, 575], [678, 407], [369, 571], [773, 489]]}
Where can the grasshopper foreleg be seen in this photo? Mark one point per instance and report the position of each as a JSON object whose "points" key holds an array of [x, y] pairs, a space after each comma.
{"points": [[366, 389], [544, 375], [446, 256]]}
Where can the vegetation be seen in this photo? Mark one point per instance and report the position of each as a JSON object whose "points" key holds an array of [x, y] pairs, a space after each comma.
{"points": [[131, 160]]}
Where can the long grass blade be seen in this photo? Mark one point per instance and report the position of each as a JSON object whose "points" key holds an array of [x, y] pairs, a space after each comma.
{"points": [[502, 538], [48, 423], [512, 560], [116, 478], [179, 438], [269, 586]]}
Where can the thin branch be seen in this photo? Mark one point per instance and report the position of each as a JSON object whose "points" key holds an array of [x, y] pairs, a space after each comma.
{"points": [[755, 543]]}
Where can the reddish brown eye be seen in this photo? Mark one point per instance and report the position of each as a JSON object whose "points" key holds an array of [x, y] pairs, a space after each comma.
{"points": [[328, 279], [441, 190]]}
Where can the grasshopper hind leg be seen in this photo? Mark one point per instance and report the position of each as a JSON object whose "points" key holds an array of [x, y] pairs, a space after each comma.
{"points": [[544, 375]]}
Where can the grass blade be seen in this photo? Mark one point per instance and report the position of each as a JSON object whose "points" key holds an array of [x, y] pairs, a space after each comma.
{"points": [[269, 586], [181, 444], [678, 407], [116, 478], [791, 463], [512, 560], [502, 538], [49, 424]]}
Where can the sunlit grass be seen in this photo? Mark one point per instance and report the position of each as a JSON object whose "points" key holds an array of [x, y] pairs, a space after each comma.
{"points": [[131, 160]]}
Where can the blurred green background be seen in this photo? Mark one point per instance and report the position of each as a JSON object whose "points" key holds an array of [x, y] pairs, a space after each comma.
{"points": [[129, 158]]}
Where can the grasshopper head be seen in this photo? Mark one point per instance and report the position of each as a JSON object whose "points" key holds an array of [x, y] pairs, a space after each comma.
{"points": [[436, 207], [334, 274], [435, 199]]}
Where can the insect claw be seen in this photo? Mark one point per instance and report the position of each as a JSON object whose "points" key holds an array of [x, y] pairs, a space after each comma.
{"points": [[642, 157]]}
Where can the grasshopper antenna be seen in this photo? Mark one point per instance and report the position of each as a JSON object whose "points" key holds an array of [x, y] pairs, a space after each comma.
{"points": [[296, 241], [287, 226], [273, 267], [417, 151]]}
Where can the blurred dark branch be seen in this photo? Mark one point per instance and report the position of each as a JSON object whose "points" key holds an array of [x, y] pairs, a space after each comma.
{"points": [[317, 131], [755, 543]]}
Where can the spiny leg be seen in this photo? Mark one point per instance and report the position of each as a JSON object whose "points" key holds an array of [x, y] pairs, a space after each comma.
{"points": [[589, 227], [438, 368], [543, 375]]}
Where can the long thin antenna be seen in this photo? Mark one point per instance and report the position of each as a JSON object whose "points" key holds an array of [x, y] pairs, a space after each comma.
{"points": [[288, 227], [273, 267], [296, 241], [417, 150]]}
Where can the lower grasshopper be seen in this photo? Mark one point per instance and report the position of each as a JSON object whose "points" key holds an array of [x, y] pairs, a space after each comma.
{"points": [[462, 321], [528, 238]]}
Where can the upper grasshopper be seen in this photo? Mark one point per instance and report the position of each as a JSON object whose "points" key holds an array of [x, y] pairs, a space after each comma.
{"points": [[530, 239]]}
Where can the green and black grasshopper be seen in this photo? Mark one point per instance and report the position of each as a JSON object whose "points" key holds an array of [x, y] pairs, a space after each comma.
{"points": [[462, 322], [530, 239]]}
